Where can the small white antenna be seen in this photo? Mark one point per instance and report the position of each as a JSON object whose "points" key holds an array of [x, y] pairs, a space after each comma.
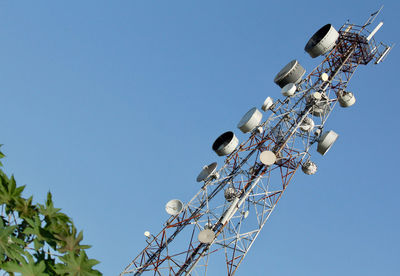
{"points": [[374, 31], [384, 54]]}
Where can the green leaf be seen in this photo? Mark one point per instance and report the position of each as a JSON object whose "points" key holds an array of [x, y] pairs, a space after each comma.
{"points": [[10, 246], [26, 268], [70, 242], [25, 208], [9, 192], [35, 228], [48, 260], [51, 214], [77, 265], [37, 244], [1, 153]]}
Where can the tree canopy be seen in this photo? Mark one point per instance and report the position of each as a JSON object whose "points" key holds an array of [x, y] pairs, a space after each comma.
{"points": [[38, 239]]}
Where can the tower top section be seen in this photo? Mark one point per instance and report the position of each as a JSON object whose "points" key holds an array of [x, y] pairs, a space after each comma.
{"points": [[362, 37]]}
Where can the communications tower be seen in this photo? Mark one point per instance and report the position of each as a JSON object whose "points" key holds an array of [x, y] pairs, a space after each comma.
{"points": [[235, 201]]}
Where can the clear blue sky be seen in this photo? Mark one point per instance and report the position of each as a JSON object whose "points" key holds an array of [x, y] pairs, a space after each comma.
{"points": [[113, 107]]}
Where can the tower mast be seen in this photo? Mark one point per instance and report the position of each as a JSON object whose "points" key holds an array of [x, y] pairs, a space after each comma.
{"points": [[235, 201]]}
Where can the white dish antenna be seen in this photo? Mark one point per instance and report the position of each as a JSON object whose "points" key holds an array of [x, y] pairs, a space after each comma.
{"points": [[225, 144], [147, 234], [326, 141], [250, 120], [207, 171], [291, 73], [174, 207], [267, 104], [206, 236], [289, 89], [309, 167], [346, 99], [267, 158], [316, 96], [322, 41], [324, 77], [307, 125]]}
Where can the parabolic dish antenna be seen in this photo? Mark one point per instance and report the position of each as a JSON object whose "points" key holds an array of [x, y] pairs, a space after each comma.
{"points": [[250, 120], [316, 96], [207, 172], [291, 73], [206, 236], [225, 144], [309, 167], [322, 41], [289, 89], [267, 158], [324, 77], [326, 141], [267, 103], [346, 99], [174, 207], [307, 125]]}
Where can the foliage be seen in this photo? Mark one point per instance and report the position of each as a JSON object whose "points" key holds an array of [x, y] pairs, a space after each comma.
{"points": [[38, 239]]}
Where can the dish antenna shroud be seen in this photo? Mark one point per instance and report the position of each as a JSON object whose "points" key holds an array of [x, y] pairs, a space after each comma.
{"points": [[326, 141], [250, 120], [225, 144], [291, 73], [267, 104], [322, 41]]}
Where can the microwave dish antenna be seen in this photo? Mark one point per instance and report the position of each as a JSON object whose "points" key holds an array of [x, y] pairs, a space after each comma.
{"points": [[174, 207], [225, 144], [290, 73], [322, 41], [250, 120], [207, 172]]}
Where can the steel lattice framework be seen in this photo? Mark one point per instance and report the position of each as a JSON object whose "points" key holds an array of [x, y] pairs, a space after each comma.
{"points": [[237, 222]]}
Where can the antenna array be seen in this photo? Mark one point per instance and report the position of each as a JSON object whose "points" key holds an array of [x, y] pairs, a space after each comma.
{"points": [[236, 200]]}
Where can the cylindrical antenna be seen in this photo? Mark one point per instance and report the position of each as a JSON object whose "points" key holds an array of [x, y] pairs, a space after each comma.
{"points": [[374, 31]]}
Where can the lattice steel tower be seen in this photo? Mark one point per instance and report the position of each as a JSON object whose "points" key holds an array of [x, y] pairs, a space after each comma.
{"points": [[228, 212]]}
